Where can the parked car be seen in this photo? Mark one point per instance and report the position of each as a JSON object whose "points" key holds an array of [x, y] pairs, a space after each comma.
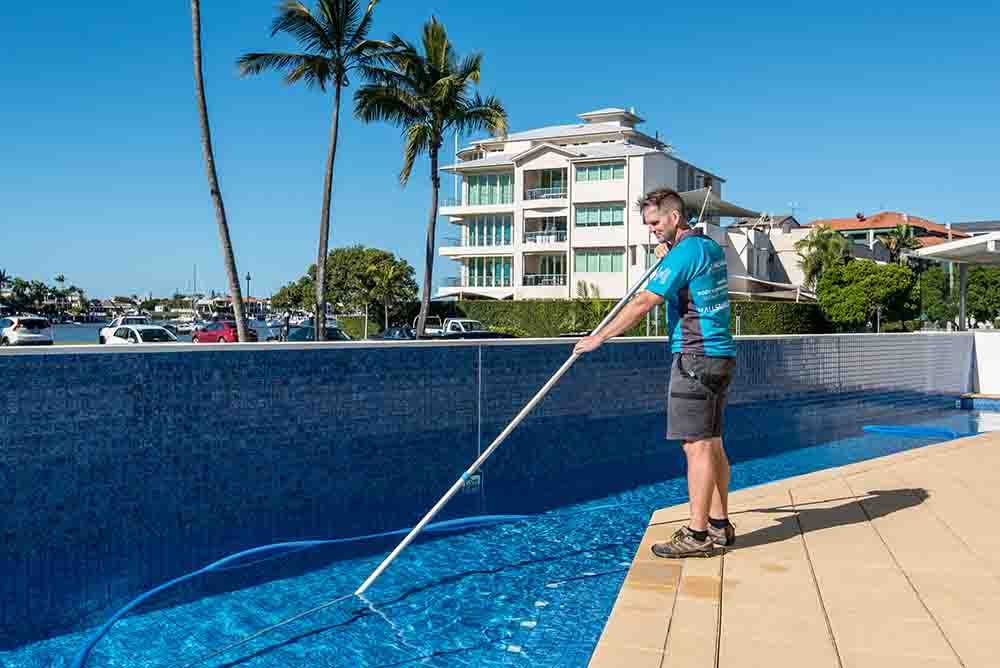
{"points": [[461, 325], [140, 334], [432, 325], [20, 330], [121, 321], [223, 331], [309, 334], [481, 334], [396, 334]]}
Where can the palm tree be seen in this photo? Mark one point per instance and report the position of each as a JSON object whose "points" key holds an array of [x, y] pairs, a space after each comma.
{"points": [[213, 179], [899, 240], [4, 279], [822, 248], [391, 282], [427, 95], [334, 42]]}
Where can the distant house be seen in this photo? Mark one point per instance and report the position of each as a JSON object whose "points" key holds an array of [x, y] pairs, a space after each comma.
{"points": [[865, 230]]}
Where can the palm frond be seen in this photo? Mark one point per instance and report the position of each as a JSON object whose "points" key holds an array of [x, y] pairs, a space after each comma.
{"points": [[386, 103], [419, 138], [480, 114], [296, 20], [252, 64], [360, 32], [437, 49], [315, 72]]}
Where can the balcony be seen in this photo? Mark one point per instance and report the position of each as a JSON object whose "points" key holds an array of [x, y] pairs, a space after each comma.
{"points": [[558, 192], [544, 280], [546, 237]]}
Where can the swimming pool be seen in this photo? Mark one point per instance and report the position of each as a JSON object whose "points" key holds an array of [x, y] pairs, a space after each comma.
{"points": [[532, 592]]}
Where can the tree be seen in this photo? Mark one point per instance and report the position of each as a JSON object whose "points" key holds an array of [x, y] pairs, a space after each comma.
{"points": [[4, 279], [937, 302], [334, 42], [898, 240], [229, 258], [822, 249], [391, 283], [983, 293], [427, 95], [850, 295]]}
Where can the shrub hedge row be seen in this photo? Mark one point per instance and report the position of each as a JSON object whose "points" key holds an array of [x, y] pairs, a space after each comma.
{"points": [[552, 317]]}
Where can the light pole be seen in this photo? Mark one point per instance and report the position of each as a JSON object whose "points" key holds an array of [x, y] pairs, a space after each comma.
{"points": [[248, 288]]}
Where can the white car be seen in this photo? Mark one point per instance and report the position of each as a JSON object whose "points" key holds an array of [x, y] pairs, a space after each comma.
{"points": [[25, 330], [107, 332], [140, 334]]}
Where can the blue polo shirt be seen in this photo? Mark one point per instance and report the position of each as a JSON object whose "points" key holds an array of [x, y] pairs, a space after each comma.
{"points": [[693, 280]]}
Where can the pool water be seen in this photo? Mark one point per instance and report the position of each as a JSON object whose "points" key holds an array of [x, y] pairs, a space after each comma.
{"points": [[534, 592]]}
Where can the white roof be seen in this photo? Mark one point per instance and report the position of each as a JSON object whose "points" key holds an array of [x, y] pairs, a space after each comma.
{"points": [[982, 249], [555, 131], [587, 152]]}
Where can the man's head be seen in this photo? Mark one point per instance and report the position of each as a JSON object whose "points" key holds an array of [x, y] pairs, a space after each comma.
{"points": [[662, 212]]}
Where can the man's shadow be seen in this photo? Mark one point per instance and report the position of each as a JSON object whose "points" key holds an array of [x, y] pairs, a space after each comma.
{"points": [[803, 518]]}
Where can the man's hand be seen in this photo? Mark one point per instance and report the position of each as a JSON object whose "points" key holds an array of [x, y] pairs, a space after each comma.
{"points": [[587, 344], [660, 251]]}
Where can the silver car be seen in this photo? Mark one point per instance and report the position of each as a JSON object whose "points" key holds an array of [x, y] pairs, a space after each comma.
{"points": [[25, 330]]}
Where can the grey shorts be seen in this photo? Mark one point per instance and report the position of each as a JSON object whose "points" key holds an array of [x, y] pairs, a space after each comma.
{"points": [[699, 387]]}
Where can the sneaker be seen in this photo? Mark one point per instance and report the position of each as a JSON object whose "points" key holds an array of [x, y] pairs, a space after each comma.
{"points": [[684, 544], [723, 537]]}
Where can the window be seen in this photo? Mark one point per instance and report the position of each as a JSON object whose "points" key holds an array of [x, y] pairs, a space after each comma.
{"points": [[489, 272], [600, 261], [490, 189], [601, 215], [490, 230], [608, 172]]}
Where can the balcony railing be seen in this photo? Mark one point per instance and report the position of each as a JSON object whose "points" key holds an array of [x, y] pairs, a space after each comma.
{"points": [[475, 282], [545, 193], [543, 279], [482, 243], [554, 236], [450, 201]]}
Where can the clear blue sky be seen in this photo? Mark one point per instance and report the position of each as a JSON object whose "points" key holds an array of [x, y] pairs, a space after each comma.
{"points": [[843, 107]]}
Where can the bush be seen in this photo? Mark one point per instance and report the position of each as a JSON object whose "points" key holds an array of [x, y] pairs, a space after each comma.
{"points": [[354, 326], [553, 317]]}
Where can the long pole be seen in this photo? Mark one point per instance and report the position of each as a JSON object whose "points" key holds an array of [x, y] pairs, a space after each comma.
{"points": [[497, 441]]}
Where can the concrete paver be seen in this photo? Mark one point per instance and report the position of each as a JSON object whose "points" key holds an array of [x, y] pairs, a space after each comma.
{"points": [[888, 562]]}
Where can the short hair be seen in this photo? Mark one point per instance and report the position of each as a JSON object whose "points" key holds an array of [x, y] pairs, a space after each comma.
{"points": [[660, 197]]}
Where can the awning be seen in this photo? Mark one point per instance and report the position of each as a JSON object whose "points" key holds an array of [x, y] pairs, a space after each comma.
{"points": [[983, 249], [693, 199]]}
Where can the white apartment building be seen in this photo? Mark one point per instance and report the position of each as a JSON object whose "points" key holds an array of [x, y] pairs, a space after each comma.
{"points": [[543, 210]]}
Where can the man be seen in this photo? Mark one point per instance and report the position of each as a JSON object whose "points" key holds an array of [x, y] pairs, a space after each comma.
{"points": [[692, 279]]}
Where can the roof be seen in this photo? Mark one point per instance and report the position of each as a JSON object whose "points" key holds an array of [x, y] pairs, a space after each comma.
{"points": [[694, 199], [143, 328], [574, 153], [885, 220], [983, 249], [613, 111], [977, 226], [573, 130]]}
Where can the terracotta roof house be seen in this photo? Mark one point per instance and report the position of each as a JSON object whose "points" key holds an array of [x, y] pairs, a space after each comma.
{"points": [[866, 229]]}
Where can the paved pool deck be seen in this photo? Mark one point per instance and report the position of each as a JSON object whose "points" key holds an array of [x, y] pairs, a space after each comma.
{"points": [[892, 562]]}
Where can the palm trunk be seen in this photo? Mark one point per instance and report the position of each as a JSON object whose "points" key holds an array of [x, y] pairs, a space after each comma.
{"points": [[425, 298], [385, 305], [213, 179], [324, 225]]}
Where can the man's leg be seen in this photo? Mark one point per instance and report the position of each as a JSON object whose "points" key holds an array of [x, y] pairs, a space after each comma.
{"points": [[702, 465], [720, 495]]}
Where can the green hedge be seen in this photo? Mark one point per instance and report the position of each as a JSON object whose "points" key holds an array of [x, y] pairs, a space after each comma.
{"points": [[354, 326], [552, 317]]}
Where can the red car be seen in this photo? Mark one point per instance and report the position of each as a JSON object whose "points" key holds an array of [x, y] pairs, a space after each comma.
{"points": [[220, 332]]}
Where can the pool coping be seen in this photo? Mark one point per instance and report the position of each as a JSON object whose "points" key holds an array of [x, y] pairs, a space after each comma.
{"points": [[834, 568]]}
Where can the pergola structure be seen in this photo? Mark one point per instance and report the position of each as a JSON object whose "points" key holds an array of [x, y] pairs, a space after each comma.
{"points": [[982, 250]]}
